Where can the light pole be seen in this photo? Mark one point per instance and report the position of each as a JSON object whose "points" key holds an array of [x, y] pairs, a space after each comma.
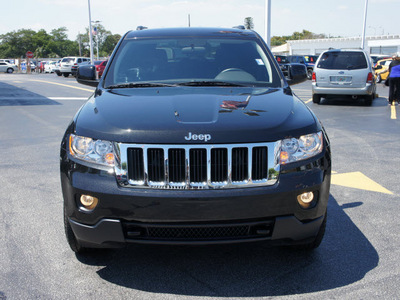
{"points": [[364, 25], [268, 22], [90, 36]]}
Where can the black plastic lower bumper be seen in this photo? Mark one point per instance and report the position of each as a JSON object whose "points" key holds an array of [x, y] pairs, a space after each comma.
{"points": [[108, 232]]}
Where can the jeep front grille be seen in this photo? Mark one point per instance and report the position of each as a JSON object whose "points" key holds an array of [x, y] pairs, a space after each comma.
{"points": [[197, 166]]}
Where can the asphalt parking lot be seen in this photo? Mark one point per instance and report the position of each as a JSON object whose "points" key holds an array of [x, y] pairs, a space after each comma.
{"points": [[358, 258]]}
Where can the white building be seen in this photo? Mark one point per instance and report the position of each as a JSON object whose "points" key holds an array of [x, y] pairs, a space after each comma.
{"points": [[385, 44]]}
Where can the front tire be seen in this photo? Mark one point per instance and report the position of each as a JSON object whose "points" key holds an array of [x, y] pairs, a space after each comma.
{"points": [[316, 98], [71, 239], [318, 238], [10, 70]]}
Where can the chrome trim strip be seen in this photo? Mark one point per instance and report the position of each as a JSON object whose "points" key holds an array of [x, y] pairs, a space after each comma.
{"points": [[121, 166]]}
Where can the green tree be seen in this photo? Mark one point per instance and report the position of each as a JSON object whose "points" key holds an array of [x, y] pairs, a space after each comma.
{"points": [[16, 43], [109, 44], [60, 45], [303, 35], [248, 23], [98, 40]]}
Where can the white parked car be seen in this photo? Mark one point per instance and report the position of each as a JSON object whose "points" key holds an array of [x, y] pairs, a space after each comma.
{"points": [[67, 62], [50, 66], [7, 67]]}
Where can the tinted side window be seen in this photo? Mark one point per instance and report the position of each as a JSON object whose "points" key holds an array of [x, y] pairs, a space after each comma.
{"points": [[343, 60]]}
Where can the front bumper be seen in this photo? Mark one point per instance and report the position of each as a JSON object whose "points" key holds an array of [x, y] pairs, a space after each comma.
{"points": [[112, 233], [128, 215]]}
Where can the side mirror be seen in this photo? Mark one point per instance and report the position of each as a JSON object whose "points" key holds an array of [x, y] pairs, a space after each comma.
{"points": [[297, 73], [86, 74]]}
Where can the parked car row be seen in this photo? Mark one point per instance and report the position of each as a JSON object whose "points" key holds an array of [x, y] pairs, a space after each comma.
{"points": [[65, 66], [69, 65]]}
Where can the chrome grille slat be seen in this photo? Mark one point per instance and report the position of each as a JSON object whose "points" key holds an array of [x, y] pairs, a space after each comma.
{"points": [[197, 166]]}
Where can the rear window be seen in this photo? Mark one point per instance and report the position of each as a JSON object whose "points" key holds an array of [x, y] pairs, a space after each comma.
{"points": [[311, 59], [281, 59], [67, 59], [337, 60]]}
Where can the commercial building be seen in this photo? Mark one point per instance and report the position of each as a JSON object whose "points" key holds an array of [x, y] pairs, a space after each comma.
{"points": [[384, 44]]}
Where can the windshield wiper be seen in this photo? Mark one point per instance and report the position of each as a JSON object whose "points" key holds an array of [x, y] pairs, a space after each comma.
{"points": [[138, 85], [208, 83]]}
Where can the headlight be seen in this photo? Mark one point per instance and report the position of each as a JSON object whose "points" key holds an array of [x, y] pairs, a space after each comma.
{"points": [[304, 147], [94, 151]]}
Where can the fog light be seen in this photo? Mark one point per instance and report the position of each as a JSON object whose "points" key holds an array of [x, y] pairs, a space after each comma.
{"points": [[89, 202], [305, 199]]}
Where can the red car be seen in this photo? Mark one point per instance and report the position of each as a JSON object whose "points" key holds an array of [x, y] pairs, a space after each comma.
{"points": [[100, 65]]}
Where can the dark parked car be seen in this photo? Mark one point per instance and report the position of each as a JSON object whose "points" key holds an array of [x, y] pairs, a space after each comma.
{"points": [[75, 66], [289, 69], [193, 136], [307, 60]]}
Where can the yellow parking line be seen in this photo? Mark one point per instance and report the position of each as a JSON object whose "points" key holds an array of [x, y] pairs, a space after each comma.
{"points": [[358, 180], [393, 111], [66, 85], [308, 101]]}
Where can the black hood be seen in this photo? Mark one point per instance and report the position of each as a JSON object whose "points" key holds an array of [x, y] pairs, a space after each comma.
{"points": [[166, 115]]}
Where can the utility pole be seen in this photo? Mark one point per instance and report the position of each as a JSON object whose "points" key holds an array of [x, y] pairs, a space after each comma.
{"points": [[364, 25], [268, 22], [80, 41]]}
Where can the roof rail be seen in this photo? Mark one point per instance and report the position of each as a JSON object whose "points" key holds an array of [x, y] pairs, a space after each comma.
{"points": [[239, 27], [141, 28]]}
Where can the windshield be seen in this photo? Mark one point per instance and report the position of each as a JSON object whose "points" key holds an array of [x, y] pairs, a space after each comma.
{"points": [[194, 60], [336, 60], [67, 60]]}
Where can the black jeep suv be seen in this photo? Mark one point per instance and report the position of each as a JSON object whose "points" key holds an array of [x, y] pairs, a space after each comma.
{"points": [[193, 136]]}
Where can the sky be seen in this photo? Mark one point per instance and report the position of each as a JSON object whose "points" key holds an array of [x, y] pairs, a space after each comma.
{"points": [[330, 17]]}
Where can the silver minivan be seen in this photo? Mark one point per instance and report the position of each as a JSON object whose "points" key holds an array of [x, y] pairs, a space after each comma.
{"points": [[346, 73]]}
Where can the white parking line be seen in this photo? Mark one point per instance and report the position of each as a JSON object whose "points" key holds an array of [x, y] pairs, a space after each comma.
{"points": [[67, 98]]}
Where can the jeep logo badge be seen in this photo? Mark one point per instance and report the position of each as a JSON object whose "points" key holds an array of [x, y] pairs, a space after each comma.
{"points": [[198, 137]]}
